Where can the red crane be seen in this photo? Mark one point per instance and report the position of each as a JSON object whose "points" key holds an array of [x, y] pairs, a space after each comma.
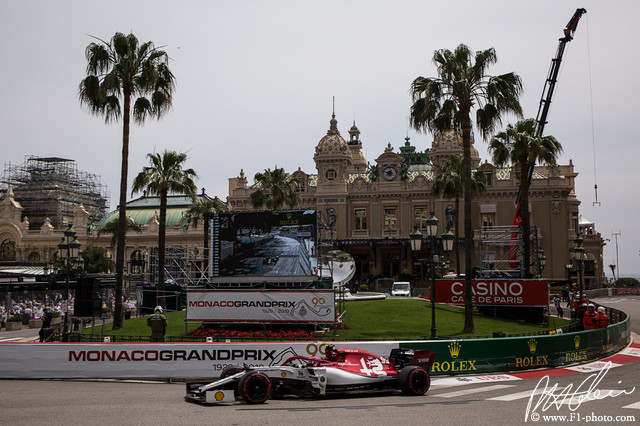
{"points": [[541, 119]]}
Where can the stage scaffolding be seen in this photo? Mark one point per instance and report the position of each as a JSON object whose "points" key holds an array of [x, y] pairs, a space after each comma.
{"points": [[501, 251], [186, 266], [52, 187]]}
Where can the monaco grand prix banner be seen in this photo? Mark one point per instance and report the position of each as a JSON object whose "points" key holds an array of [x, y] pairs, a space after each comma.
{"points": [[202, 360], [265, 306], [154, 360], [495, 292]]}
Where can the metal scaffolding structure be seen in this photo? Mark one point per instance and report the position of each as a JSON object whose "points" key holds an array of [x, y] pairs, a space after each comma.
{"points": [[53, 187], [185, 266], [501, 251]]}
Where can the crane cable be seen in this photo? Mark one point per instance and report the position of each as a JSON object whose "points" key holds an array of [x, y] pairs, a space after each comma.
{"points": [[593, 138]]}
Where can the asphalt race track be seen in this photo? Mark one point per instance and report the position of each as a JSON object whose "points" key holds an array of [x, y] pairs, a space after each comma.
{"points": [[584, 394]]}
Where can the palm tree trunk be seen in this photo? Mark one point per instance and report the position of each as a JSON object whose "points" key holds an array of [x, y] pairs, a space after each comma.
{"points": [[161, 247], [457, 236], [468, 224], [524, 213], [122, 213]]}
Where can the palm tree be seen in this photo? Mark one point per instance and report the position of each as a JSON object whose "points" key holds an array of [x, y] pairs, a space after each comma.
{"points": [[165, 175], [111, 227], [519, 145], [448, 183], [124, 71], [203, 209], [95, 260], [613, 272], [446, 102], [277, 188]]}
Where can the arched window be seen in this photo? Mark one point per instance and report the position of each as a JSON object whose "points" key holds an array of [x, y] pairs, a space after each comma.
{"points": [[34, 256], [8, 250], [137, 262]]}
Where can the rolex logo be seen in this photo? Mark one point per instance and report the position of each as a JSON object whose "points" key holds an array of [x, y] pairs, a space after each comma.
{"points": [[576, 342], [454, 349], [533, 344]]}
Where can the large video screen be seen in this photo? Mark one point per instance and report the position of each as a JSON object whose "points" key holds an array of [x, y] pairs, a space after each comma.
{"points": [[264, 244]]}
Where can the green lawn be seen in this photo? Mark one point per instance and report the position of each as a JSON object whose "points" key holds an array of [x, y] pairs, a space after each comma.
{"points": [[138, 326], [376, 319], [410, 319]]}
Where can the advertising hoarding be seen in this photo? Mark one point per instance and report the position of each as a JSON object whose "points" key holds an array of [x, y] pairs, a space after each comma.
{"points": [[495, 292], [265, 306]]}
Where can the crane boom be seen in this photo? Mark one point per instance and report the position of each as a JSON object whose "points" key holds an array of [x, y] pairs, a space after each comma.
{"points": [[549, 87], [552, 78], [543, 108]]}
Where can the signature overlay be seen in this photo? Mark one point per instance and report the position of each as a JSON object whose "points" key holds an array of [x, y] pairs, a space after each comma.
{"points": [[551, 396]]}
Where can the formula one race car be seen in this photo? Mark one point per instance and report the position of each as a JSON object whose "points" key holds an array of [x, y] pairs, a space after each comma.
{"points": [[344, 370]]}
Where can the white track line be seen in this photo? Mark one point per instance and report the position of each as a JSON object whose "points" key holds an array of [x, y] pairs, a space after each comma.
{"points": [[471, 391]]}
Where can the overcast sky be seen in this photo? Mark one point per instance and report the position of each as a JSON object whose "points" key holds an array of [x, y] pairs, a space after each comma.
{"points": [[255, 81]]}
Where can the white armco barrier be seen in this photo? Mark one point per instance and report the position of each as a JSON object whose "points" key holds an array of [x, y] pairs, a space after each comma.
{"points": [[153, 360]]}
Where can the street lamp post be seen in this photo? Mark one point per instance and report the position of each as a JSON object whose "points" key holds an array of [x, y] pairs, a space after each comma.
{"points": [[578, 251], [542, 261], [434, 259], [69, 247], [568, 267]]}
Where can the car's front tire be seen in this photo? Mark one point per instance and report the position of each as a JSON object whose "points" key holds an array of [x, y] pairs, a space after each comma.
{"points": [[254, 387], [414, 380]]}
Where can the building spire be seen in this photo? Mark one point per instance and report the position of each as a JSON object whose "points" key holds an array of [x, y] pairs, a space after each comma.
{"points": [[333, 124]]}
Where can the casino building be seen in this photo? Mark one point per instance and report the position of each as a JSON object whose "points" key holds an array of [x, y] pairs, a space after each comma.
{"points": [[377, 206]]}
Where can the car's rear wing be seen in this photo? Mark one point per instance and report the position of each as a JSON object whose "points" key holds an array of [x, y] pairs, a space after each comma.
{"points": [[404, 357]]}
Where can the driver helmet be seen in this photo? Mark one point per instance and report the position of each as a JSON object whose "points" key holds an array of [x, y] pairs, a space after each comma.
{"points": [[330, 353], [158, 309]]}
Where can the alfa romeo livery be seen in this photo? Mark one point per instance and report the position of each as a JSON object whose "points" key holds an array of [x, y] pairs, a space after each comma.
{"points": [[345, 370]]}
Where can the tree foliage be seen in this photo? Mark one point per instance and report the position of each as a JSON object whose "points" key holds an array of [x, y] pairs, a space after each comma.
{"points": [[446, 103], [276, 189], [448, 182], [165, 175], [119, 72], [627, 282], [519, 146], [96, 261], [111, 227]]}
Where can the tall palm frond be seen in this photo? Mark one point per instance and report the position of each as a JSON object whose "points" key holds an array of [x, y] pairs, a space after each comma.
{"points": [[520, 146], [121, 72], [276, 189], [165, 175], [446, 103]]}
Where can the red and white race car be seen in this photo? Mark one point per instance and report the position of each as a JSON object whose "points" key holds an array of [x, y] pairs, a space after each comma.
{"points": [[343, 370]]}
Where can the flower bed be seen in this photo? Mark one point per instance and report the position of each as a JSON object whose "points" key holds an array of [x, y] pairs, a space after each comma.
{"points": [[250, 333]]}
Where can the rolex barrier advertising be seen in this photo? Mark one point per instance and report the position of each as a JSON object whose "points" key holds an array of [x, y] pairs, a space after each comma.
{"points": [[477, 356], [207, 360]]}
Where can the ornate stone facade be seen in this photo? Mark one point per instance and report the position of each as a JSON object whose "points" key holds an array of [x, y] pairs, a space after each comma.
{"points": [[378, 205]]}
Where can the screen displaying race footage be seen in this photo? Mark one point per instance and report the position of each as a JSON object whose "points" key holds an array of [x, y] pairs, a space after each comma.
{"points": [[280, 243]]}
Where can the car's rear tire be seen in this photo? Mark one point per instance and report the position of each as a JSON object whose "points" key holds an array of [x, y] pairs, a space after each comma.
{"points": [[254, 387], [230, 371], [414, 380]]}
